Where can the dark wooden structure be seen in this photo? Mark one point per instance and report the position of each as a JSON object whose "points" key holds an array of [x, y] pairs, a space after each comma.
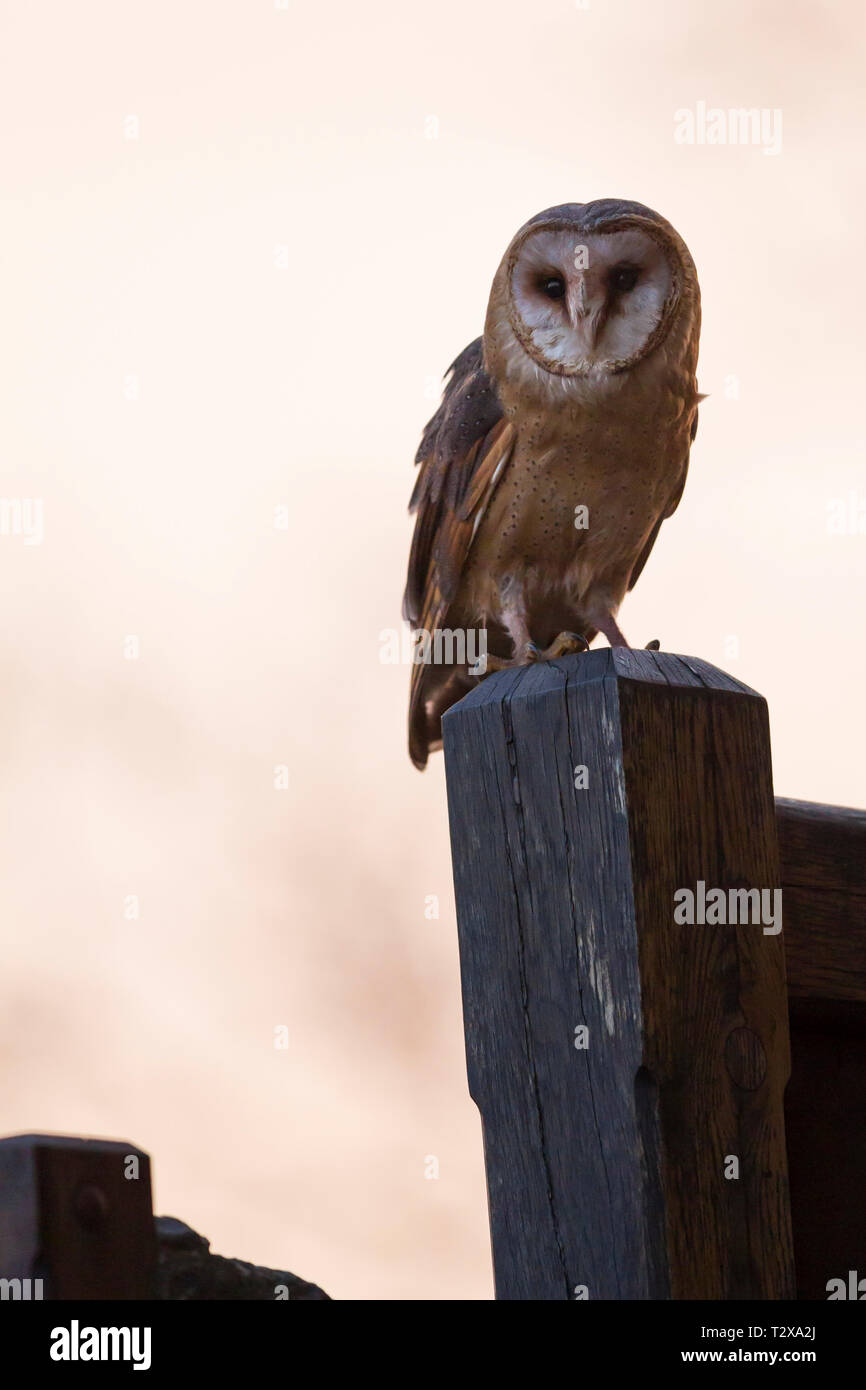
{"points": [[631, 1066], [673, 1102], [76, 1219], [76, 1222], [823, 857]]}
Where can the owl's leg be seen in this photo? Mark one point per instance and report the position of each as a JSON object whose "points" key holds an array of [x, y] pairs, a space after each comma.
{"points": [[608, 625], [513, 619], [515, 624]]}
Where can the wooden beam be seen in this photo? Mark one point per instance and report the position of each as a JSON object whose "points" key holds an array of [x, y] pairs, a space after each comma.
{"points": [[622, 1063], [823, 856]]}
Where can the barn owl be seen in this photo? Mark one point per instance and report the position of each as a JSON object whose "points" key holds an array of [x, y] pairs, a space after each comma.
{"points": [[559, 448]]}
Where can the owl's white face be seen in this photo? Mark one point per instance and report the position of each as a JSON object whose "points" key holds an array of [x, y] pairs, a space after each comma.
{"points": [[581, 304]]}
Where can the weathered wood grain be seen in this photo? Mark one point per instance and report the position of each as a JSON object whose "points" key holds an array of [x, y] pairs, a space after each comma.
{"points": [[822, 846], [606, 1163], [823, 857]]}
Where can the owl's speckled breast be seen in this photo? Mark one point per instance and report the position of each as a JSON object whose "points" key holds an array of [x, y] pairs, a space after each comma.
{"points": [[574, 510]]}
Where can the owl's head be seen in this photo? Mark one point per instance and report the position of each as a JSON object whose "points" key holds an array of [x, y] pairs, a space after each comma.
{"points": [[590, 289]]}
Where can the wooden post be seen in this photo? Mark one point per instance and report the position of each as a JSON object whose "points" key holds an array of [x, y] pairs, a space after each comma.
{"points": [[76, 1219], [629, 1069]]}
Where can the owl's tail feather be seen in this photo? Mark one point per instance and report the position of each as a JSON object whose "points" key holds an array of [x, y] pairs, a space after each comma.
{"points": [[434, 690]]}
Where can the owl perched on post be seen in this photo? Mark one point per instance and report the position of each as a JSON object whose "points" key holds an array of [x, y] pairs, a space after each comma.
{"points": [[561, 445]]}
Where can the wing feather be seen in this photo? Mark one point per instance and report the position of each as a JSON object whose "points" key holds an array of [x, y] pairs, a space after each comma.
{"points": [[464, 451], [669, 509]]}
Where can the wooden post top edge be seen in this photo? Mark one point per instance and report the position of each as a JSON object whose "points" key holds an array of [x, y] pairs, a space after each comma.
{"points": [[70, 1142], [808, 811], [634, 665]]}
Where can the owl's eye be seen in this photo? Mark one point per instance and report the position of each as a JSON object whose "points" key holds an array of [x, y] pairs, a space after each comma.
{"points": [[553, 286], [623, 278]]}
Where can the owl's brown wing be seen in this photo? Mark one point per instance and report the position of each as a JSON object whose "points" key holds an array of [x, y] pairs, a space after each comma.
{"points": [[668, 511], [463, 453]]}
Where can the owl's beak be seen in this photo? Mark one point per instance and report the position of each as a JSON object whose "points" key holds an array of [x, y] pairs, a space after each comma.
{"points": [[585, 319], [576, 301]]}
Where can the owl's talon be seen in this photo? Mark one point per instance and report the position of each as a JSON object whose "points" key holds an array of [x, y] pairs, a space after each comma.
{"points": [[563, 645], [494, 663], [529, 654], [653, 646]]}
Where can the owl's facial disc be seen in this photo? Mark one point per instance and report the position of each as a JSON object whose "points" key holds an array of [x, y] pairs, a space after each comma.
{"points": [[581, 304]]}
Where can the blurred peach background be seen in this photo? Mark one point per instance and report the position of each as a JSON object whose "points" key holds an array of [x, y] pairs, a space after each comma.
{"points": [[242, 243]]}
